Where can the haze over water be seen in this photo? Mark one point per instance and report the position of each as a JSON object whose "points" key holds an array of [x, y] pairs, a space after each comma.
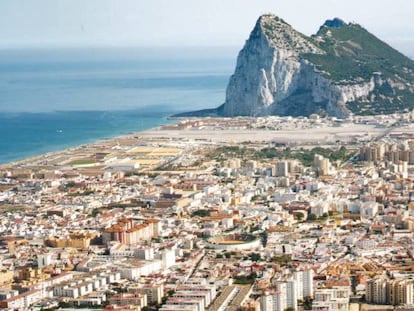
{"points": [[54, 99]]}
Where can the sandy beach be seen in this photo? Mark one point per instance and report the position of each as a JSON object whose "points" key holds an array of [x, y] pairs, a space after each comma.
{"points": [[317, 135]]}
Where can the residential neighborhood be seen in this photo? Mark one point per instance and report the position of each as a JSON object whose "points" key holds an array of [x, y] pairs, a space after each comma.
{"points": [[171, 220]]}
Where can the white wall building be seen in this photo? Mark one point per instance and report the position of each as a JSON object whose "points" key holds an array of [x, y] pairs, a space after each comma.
{"points": [[332, 299]]}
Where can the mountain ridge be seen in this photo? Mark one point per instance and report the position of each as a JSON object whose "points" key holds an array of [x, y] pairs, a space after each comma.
{"points": [[341, 70]]}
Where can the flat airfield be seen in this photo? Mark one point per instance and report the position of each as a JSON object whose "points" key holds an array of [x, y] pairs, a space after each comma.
{"points": [[310, 135]]}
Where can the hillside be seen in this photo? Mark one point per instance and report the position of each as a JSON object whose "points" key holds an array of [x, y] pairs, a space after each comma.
{"points": [[342, 69]]}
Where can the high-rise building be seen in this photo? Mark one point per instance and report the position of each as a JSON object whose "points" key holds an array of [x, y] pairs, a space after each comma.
{"points": [[126, 231], [321, 165], [400, 292], [275, 300], [168, 258], [292, 294], [282, 169], [287, 293], [376, 291], [335, 298], [304, 280]]}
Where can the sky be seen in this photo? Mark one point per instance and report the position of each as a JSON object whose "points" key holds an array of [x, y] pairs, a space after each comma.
{"points": [[149, 23]]}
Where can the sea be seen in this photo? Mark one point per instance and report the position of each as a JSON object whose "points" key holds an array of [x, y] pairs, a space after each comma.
{"points": [[52, 99]]}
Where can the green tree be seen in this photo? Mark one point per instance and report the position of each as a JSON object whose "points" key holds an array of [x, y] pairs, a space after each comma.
{"points": [[201, 213], [307, 303], [299, 216], [255, 257], [95, 212]]}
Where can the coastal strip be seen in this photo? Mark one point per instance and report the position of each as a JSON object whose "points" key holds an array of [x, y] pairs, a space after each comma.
{"points": [[139, 149]]}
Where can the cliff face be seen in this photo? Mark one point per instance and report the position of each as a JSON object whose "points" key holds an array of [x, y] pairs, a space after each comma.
{"points": [[264, 75], [343, 69], [282, 72]]}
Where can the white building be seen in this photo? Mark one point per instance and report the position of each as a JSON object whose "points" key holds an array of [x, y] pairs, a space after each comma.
{"points": [[376, 291], [320, 208], [275, 300], [292, 294], [282, 169], [304, 281], [44, 260], [369, 209], [335, 298], [168, 258]]}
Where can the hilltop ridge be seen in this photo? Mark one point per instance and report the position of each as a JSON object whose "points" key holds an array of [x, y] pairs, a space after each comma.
{"points": [[343, 69]]}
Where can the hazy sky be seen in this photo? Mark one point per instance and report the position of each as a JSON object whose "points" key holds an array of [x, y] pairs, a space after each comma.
{"points": [[188, 22]]}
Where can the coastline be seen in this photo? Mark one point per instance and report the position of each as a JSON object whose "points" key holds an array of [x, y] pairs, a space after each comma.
{"points": [[46, 155], [230, 135]]}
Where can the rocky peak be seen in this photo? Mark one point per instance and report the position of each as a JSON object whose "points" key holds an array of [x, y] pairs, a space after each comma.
{"points": [[335, 23], [282, 36], [343, 69], [331, 25]]}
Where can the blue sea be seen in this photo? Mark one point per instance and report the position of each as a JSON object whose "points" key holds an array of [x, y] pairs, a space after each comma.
{"points": [[58, 98]]}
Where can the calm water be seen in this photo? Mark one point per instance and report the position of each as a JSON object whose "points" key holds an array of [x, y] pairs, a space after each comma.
{"points": [[50, 100]]}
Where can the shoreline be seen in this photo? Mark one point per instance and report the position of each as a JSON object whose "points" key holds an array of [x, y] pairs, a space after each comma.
{"points": [[74, 148], [315, 135]]}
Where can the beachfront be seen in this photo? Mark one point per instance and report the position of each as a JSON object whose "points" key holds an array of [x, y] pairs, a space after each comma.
{"points": [[223, 130]]}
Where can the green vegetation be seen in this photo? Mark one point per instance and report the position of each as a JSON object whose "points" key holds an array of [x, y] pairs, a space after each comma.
{"points": [[304, 156], [11, 208], [227, 152], [263, 236], [82, 162], [282, 259], [307, 303], [352, 52], [245, 279], [255, 257], [81, 194], [353, 55], [201, 213], [95, 212], [299, 216], [230, 254], [70, 184]]}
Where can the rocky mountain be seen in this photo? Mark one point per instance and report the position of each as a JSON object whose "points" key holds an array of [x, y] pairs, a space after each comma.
{"points": [[342, 69]]}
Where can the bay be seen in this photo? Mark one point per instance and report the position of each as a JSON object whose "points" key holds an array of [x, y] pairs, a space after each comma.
{"points": [[55, 99]]}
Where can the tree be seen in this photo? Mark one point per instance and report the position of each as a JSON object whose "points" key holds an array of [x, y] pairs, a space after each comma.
{"points": [[307, 303], [201, 213], [245, 279], [95, 212], [312, 217], [255, 257], [299, 216], [70, 184]]}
